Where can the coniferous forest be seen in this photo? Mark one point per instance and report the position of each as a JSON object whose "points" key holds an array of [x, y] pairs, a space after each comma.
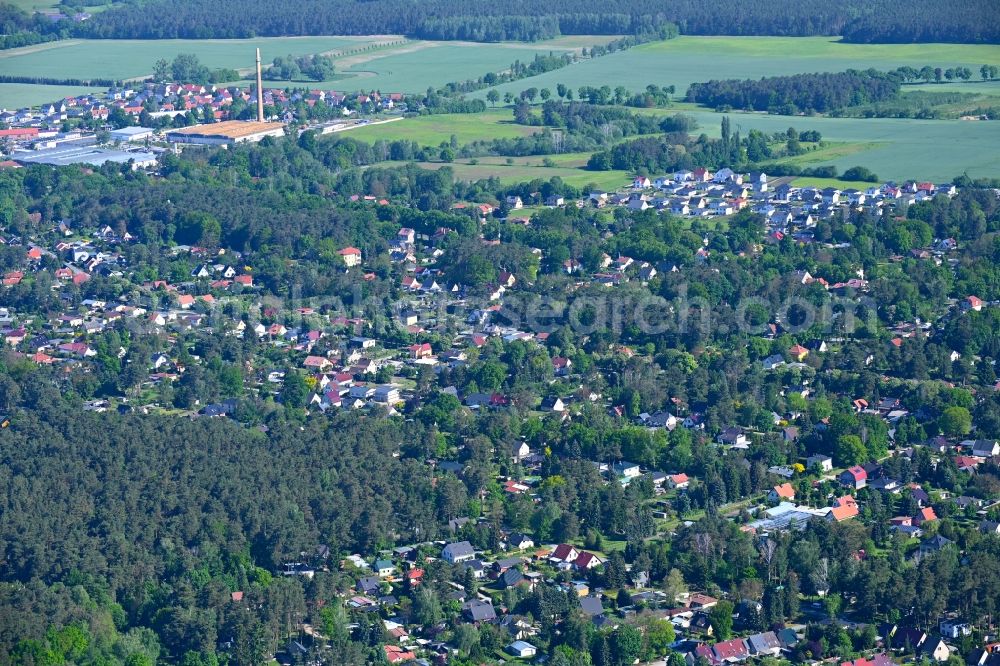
{"points": [[923, 20]]}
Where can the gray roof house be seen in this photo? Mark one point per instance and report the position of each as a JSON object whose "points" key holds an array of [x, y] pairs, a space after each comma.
{"points": [[455, 553], [479, 611], [765, 643]]}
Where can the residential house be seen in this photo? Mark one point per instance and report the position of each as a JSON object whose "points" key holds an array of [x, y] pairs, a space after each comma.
{"points": [[701, 601], [854, 477], [731, 651], [822, 462], [351, 256], [933, 545], [986, 448], [734, 437], [561, 365], [520, 541], [591, 606], [397, 655], [626, 469], [564, 553], [456, 553], [936, 650], [783, 492], [766, 643], [952, 627], [479, 611], [843, 508], [973, 303], [522, 649], [586, 561], [679, 481]]}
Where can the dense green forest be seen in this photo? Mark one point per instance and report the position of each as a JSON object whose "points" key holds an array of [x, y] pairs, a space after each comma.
{"points": [[124, 536], [924, 20], [808, 93]]}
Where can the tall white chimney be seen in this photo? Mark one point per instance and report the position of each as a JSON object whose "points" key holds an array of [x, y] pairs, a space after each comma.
{"points": [[260, 92]]}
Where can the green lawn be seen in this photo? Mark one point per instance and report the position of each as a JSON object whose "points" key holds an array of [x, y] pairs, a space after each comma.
{"points": [[19, 95], [130, 58], [432, 130], [808, 181]]}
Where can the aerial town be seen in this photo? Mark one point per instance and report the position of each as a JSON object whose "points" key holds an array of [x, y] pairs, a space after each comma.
{"points": [[597, 383]]}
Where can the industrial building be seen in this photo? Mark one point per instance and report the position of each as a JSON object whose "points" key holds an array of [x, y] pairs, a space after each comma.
{"points": [[226, 133], [126, 134], [83, 154]]}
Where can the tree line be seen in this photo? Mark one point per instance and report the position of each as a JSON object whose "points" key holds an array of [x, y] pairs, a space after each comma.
{"points": [[923, 20], [796, 93], [291, 68], [50, 81]]}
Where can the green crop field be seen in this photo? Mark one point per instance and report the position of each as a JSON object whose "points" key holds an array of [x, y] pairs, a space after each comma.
{"points": [[20, 95], [682, 61], [121, 59], [419, 65], [432, 130], [894, 148]]}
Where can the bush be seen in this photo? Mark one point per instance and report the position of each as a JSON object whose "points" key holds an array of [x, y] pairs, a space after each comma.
{"points": [[860, 173]]}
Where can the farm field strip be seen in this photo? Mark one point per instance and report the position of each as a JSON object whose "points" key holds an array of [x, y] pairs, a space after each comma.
{"points": [[436, 64], [689, 59], [122, 59], [20, 95], [432, 130], [892, 147], [895, 148]]}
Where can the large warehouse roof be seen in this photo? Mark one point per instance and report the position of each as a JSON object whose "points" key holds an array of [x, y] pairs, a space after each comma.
{"points": [[233, 130], [76, 154]]}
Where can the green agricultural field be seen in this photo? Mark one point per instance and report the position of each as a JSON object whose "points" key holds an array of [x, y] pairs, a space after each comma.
{"points": [[20, 95], [420, 65], [120, 59], [894, 148], [432, 130], [682, 61]]}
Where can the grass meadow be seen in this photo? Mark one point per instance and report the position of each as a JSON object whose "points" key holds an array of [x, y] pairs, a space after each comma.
{"points": [[432, 130], [19, 95]]}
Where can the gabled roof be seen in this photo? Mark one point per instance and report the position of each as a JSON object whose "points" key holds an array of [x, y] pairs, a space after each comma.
{"points": [[591, 606], [735, 648]]}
